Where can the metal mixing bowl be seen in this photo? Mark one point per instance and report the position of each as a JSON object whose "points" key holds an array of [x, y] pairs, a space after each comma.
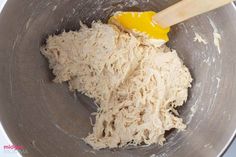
{"points": [[49, 120]]}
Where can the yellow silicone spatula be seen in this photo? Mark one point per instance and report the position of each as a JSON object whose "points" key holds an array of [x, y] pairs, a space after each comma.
{"points": [[157, 25]]}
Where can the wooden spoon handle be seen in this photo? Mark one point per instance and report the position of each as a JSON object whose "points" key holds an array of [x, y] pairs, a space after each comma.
{"points": [[186, 9]]}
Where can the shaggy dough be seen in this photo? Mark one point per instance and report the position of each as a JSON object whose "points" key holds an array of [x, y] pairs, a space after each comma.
{"points": [[137, 83]]}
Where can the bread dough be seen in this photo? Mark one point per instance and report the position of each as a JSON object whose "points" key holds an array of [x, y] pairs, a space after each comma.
{"points": [[136, 82]]}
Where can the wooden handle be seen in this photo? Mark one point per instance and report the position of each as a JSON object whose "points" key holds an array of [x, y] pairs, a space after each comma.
{"points": [[186, 9]]}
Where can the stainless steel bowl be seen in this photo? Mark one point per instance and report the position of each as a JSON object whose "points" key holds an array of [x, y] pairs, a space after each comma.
{"points": [[48, 120]]}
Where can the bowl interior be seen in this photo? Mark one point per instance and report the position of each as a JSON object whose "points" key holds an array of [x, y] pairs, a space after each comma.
{"points": [[49, 120]]}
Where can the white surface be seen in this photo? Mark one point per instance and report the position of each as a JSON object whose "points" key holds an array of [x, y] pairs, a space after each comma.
{"points": [[4, 140], [2, 3]]}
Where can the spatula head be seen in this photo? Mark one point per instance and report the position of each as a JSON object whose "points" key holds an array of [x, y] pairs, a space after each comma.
{"points": [[140, 23]]}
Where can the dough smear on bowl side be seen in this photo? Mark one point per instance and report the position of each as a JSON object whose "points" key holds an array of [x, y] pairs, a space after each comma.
{"points": [[136, 82]]}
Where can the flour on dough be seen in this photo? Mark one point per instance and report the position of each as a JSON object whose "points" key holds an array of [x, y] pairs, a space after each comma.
{"points": [[137, 84]]}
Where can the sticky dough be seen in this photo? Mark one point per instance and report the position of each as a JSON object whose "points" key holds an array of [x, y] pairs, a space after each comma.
{"points": [[137, 83]]}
